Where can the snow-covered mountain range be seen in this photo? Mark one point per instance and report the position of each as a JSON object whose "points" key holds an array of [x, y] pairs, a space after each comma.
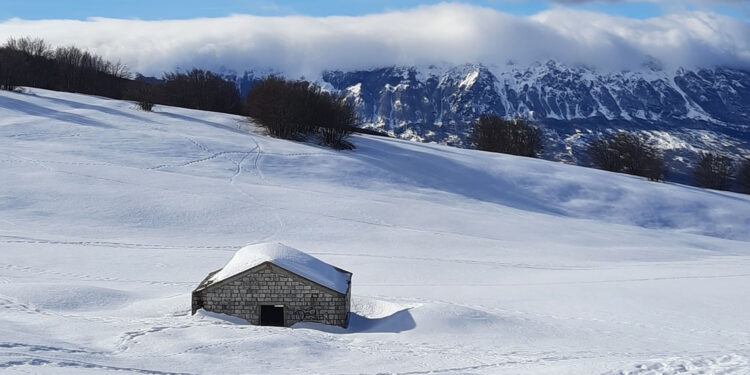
{"points": [[683, 111]]}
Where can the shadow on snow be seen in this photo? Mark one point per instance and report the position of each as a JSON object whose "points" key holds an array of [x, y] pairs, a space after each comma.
{"points": [[399, 321]]}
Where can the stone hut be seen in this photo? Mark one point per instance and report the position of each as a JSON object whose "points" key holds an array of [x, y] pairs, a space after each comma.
{"points": [[276, 285]]}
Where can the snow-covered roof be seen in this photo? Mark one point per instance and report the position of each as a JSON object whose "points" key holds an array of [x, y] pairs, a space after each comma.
{"points": [[288, 258]]}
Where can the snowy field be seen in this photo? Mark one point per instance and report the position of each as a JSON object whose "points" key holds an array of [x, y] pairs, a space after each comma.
{"points": [[464, 262]]}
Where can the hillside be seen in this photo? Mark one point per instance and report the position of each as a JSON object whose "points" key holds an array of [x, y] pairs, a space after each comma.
{"points": [[683, 111], [463, 261]]}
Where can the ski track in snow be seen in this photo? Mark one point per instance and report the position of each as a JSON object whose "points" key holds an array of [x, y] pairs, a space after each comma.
{"points": [[126, 245], [83, 277], [256, 168], [724, 364], [39, 363], [440, 291], [191, 162]]}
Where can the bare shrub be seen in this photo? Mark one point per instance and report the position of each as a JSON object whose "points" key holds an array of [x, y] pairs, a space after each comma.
{"points": [[146, 105], [143, 94]]}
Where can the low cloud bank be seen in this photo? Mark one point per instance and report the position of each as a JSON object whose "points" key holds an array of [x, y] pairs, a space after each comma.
{"points": [[444, 33]]}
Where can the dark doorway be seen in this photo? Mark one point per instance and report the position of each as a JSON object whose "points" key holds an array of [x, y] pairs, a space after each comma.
{"points": [[272, 315]]}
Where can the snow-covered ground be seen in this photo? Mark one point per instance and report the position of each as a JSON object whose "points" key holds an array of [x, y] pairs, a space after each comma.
{"points": [[463, 262]]}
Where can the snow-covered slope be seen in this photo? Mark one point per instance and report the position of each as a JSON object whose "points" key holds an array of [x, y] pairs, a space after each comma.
{"points": [[681, 111], [463, 261]]}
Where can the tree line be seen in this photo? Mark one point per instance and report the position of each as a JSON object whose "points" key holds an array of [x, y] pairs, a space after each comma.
{"points": [[33, 62], [196, 89], [622, 152], [288, 109], [301, 110], [629, 153]]}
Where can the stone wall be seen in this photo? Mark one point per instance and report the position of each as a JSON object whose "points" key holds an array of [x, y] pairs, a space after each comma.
{"points": [[303, 300]]}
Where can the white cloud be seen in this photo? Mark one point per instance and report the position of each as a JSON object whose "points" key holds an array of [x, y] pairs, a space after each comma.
{"points": [[451, 33]]}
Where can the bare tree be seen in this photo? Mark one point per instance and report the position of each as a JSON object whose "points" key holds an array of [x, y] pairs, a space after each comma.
{"points": [[516, 137], [713, 171], [295, 109], [32, 62], [200, 89], [279, 106], [337, 119], [10, 69], [34, 47], [743, 176], [627, 153], [604, 155]]}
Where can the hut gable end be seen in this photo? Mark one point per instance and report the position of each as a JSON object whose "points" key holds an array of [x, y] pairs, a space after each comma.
{"points": [[208, 284]]}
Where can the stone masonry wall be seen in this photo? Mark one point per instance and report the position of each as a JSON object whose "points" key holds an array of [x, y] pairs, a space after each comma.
{"points": [[271, 285]]}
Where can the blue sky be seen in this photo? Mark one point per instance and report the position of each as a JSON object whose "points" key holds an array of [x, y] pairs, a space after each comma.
{"points": [[186, 9]]}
